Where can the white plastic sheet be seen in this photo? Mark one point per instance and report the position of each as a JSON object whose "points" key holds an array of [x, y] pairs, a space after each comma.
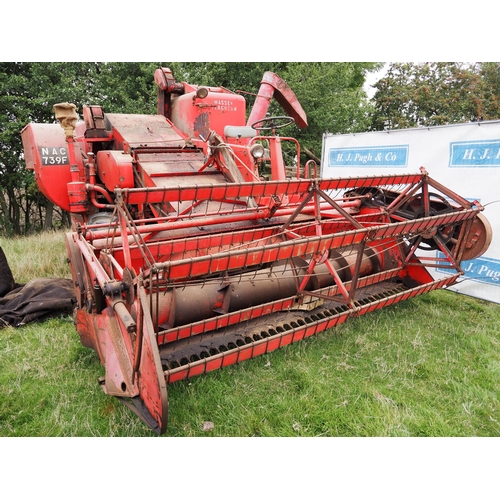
{"points": [[465, 158]]}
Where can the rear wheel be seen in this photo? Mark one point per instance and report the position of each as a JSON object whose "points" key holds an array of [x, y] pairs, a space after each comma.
{"points": [[436, 205]]}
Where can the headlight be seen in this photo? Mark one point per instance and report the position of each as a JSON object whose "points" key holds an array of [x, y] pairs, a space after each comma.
{"points": [[201, 92], [257, 151]]}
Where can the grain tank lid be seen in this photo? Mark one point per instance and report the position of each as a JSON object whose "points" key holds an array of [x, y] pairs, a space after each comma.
{"points": [[145, 131]]}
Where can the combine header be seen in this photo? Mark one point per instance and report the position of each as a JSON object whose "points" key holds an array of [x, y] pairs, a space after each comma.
{"points": [[195, 247]]}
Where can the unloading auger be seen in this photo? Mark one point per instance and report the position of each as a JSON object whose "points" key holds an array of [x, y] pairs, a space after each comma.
{"points": [[195, 247]]}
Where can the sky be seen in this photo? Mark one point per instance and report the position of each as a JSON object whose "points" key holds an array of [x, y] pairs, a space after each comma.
{"points": [[372, 78], [259, 31]]}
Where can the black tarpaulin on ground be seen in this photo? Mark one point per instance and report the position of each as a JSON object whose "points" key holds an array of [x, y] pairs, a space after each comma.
{"points": [[36, 300]]}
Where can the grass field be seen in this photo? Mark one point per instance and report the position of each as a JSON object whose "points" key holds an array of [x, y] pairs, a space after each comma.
{"points": [[425, 367]]}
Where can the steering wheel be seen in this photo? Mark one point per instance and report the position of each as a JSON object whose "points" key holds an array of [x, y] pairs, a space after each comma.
{"points": [[269, 123]]}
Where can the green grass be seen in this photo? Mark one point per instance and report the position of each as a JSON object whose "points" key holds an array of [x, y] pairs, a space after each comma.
{"points": [[426, 367], [39, 256]]}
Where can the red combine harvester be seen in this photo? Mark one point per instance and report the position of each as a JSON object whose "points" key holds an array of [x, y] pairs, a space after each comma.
{"points": [[185, 259]]}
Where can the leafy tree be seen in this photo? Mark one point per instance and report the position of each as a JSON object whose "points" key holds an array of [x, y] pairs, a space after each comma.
{"points": [[330, 93], [125, 87], [235, 76], [19, 103], [333, 98], [28, 92], [438, 93], [490, 78]]}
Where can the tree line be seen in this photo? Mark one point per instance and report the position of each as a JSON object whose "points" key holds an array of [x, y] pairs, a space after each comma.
{"points": [[332, 95]]}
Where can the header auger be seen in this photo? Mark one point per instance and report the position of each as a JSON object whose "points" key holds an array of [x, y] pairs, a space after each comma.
{"points": [[185, 259]]}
